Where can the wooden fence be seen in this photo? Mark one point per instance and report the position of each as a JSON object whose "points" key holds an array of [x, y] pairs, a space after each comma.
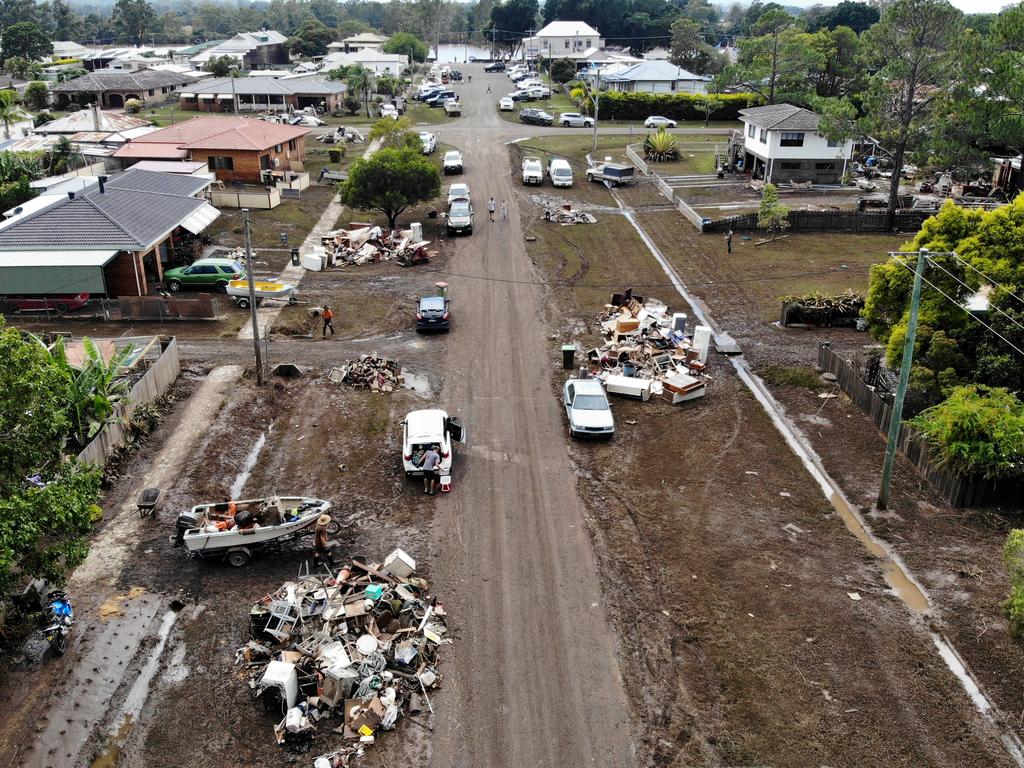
{"points": [[957, 490], [162, 372], [829, 221], [638, 161]]}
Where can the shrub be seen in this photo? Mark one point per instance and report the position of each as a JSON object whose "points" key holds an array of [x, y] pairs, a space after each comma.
{"points": [[334, 154], [661, 147], [133, 106], [616, 105], [1013, 556], [977, 430], [563, 70]]}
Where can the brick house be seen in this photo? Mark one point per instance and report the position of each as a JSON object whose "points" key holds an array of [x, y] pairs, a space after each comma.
{"points": [[112, 88], [261, 94], [236, 149], [252, 50], [115, 239]]}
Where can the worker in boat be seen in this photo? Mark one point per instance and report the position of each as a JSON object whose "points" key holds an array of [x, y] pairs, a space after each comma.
{"points": [[322, 542]]}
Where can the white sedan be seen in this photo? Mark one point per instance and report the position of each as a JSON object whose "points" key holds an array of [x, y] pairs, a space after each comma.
{"points": [[457, 190], [657, 121], [429, 142], [506, 104], [586, 405]]}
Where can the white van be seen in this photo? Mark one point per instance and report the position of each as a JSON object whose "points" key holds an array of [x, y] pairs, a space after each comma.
{"points": [[560, 172]]}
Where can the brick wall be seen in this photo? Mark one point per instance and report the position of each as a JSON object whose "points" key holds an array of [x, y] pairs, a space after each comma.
{"points": [[247, 162], [119, 275]]}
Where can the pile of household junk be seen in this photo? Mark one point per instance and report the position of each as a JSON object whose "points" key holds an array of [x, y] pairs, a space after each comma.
{"points": [[366, 243], [647, 351], [360, 645], [377, 374]]}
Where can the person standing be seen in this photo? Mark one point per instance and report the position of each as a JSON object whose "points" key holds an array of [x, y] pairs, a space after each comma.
{"points": [[430, 465], [728, 241], [504, 211], [328, 318], [490, 209], [322, 542]]}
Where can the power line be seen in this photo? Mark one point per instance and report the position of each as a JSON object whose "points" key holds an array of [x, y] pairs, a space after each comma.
{"points": [[965, 285], [993, 282], [961, 306]]}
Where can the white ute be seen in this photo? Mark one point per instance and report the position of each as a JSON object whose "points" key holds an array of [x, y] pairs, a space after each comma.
{"points": [[533, 171], [422, 429]]}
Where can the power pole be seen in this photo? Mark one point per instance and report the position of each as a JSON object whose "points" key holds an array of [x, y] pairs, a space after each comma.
{"points": [[597, 103], [896, 419], [252, 296]]}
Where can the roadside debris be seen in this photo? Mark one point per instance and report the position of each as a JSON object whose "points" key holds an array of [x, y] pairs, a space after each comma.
{"points": [[359, 646], [366, 243], [567, 215], [370, 372], [647, 352], [341, 135]]}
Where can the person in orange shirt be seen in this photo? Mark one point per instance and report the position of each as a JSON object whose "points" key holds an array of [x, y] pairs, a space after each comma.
{"points": [[328, 318]]}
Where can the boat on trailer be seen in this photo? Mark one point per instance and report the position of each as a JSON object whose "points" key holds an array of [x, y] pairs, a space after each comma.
{"points": [[235, 530]]}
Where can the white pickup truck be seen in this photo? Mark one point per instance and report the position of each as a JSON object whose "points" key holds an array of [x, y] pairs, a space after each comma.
{"points": [[533, 170]]}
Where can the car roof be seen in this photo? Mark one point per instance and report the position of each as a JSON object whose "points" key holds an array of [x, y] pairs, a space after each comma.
{"points": [[587, 386], [453, 152], [218, 260], [427, 424]]}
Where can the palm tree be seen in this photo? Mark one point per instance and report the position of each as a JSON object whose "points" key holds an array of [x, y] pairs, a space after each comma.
{"points": [[10, 112], [358, 80]]}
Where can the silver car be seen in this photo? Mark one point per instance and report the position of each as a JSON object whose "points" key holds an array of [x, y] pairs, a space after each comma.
{"points": [[587, 407], [575, 120], [657, 121]]}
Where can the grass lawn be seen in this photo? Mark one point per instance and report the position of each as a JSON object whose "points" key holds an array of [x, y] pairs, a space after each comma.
{"points": [[296, 217]]}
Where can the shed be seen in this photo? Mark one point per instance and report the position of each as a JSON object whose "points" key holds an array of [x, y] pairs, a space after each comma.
{"points": [[54, 272]]}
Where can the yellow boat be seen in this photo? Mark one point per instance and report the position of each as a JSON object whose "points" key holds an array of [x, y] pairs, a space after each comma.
{"points": [[265, 289]]}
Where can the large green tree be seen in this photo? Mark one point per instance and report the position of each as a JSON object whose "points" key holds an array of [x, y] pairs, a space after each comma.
{"points": [[390, 181], [509, 19], [689, 50], [912, 52], [857, 16], [310, 39], [26, 40], [134, 18], [407, 44]]}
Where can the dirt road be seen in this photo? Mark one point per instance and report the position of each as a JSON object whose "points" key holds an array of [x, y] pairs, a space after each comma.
{"points": [[538, 683]]}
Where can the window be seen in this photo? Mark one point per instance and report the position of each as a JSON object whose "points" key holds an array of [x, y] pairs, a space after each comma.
{"points": [[264, 162], [202, 269], [764, 136], [163, 90], [588, 44], [292, 145], [221, 163], [152, 92], [790, 165], [824, 166], [277, 147], [792, 139], [751, 130], [832, 143]]}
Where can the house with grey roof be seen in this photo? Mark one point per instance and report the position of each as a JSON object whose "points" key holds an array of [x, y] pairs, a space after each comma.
{"points": [[112, 88], [781, 144], [262, 93], [112, 239], [654, 77]]}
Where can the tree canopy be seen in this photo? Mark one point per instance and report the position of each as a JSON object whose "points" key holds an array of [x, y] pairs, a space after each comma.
{"points": [[390, 181], [311, 39], [408, 44], [26, 40]]}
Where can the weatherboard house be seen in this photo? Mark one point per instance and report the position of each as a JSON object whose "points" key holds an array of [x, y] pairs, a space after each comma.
{"points": [[781, 144]]}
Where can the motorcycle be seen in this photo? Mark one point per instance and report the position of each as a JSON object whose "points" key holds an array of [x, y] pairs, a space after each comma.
{"points": [[60, 617]]}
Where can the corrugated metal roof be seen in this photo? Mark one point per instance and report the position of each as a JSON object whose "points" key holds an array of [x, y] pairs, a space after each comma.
{"points": [[68, 258], [86, 120], [142, 180], [200, 219], [169, 166], [263, 85], [114, 80]]}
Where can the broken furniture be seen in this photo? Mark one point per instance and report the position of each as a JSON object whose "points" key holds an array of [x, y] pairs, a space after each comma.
{"points": [[359, 243], [377, 374]]}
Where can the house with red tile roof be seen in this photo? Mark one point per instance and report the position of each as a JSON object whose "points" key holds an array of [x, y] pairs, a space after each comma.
{"points": [[234, 148]]}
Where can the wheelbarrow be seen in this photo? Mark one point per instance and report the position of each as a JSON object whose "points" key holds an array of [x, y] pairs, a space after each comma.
{"points": [[147, 502]]}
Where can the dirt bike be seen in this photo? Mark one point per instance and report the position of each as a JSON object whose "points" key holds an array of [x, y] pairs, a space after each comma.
{"points": [[59, 618]]}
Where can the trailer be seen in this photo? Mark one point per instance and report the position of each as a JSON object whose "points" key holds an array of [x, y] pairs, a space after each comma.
{"points": [[613, 174]]}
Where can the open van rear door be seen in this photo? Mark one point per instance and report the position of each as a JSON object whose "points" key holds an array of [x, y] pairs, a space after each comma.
{"points": [[455, 429]]}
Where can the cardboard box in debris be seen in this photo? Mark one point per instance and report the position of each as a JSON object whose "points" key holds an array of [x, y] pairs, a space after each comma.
{"points": [[369, 372], [647, 352], [366, 243], [358, 647]]}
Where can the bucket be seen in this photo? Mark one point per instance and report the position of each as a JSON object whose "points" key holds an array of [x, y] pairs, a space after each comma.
{"points": [[629, 369]]}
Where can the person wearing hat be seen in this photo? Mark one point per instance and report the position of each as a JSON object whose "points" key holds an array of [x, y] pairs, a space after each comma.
{"points": [[321, 543]]}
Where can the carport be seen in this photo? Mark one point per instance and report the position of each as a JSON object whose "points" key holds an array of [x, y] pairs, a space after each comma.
{"points": [[29, 273]]}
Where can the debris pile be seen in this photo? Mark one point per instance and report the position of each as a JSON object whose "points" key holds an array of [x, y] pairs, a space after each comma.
{"points": [[370, 372], [567, 215], [647, 351], [359, 646], [341, 135], [366, 243]]}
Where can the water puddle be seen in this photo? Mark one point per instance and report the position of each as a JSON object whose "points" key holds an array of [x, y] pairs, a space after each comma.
{"points": [[250, 463], [418, 383]]}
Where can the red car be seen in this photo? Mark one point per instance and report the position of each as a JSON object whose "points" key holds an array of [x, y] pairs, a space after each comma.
{"points": [[54, 303]]}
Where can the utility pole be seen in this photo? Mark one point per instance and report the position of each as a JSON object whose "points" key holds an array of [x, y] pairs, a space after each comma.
{"points": [[234, 94], [901, 388], [597, 102], [252, 296]]}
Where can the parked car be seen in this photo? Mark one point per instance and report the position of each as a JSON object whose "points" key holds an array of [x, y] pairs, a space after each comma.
{"points": [[457, 190], [535, 117], [495, 66], [460, 216], [429, 142], [439, 98], [204, 273], [452, 108], [538, 91], [452, 162], [560, 172], [657, 121], [520, 95], [533, 171], [506, 104], [425, 93], [456, 76], [575, 120], [58, 302], [421, 430], [433, 313], [389, 110], [587, 407]]}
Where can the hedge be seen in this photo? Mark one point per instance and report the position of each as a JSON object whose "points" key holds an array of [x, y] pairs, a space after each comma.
{"points": [[616, 105]]}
